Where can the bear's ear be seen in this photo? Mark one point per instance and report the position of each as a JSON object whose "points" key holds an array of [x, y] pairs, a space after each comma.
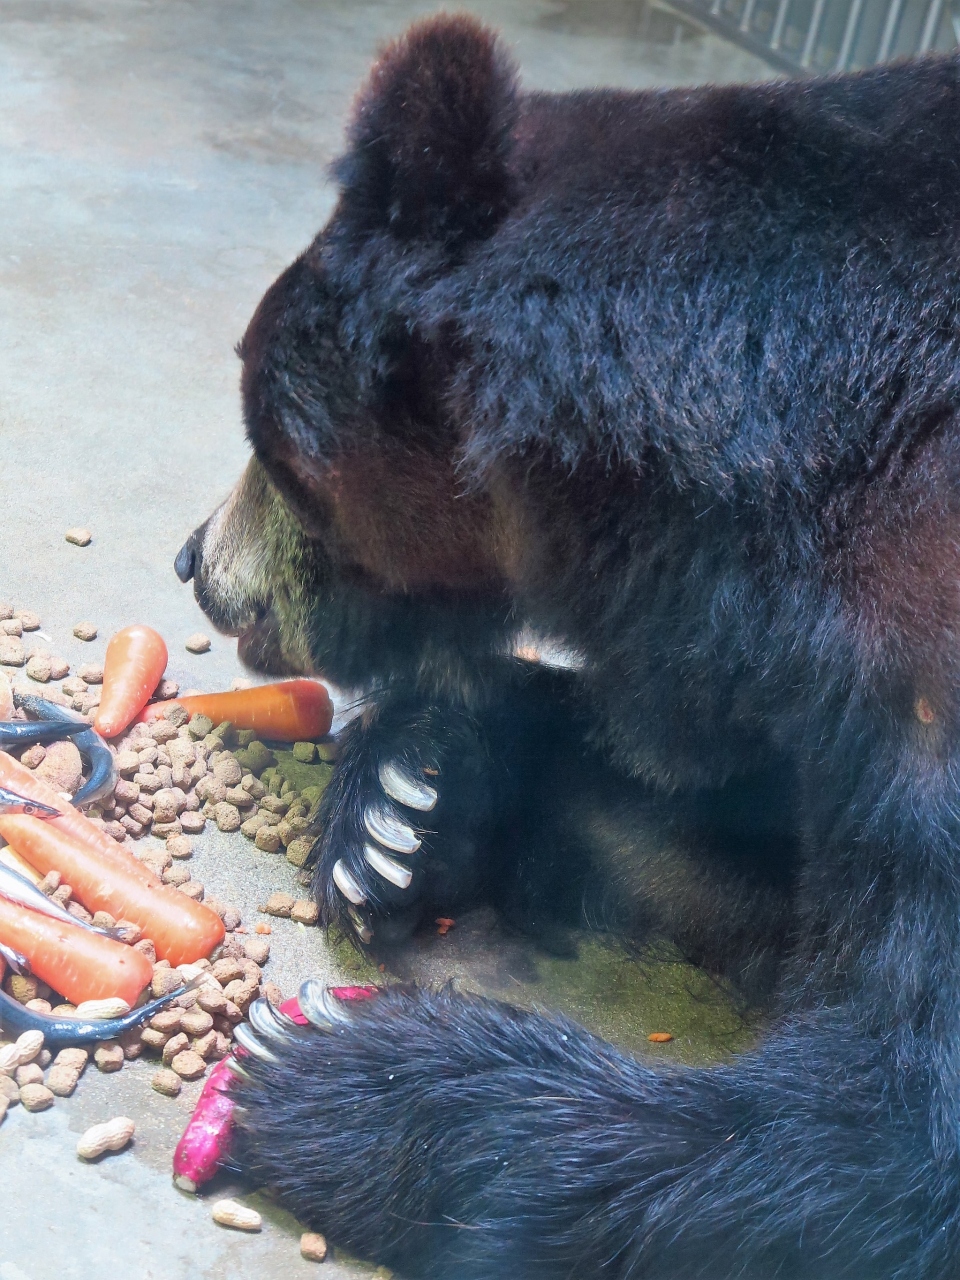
{"points": [[431, 135]]}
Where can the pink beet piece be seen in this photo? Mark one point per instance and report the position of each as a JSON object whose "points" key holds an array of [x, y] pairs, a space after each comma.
{"points": [[355, 993], [291, 1008], [206, 1139]]}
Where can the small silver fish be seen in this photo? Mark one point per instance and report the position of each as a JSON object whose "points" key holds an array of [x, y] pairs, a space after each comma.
{"points": [[19, 889], [11, 802]]}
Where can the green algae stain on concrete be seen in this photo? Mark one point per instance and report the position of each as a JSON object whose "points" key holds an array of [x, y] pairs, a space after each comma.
{"points": [[624, 999], [356, 968], [604, 987]]}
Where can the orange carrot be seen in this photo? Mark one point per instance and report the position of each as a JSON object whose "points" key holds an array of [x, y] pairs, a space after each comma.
{"points": [[71, 822], [182, 930], [287, 712], [77, 963], [134, 666]]}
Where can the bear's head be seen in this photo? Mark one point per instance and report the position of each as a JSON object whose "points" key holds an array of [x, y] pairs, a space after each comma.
{"points": [[352, 533]]}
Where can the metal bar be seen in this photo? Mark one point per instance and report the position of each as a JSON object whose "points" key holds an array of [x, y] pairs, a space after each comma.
{"points": [[747, 18], [889, 30], [849, 35], [931, 26], [749, 41], [811, 41], [779, 23]]}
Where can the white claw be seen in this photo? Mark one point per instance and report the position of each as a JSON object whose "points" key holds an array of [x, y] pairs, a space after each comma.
{"points": [[347, 885], [318, 1006], [400, 786], [243, 1034], [267, 1022], [363, 931], [389, 868], [386, 827]]}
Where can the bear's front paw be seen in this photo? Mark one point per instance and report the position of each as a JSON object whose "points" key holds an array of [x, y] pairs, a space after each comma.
{"points": [[407, 812], [374, 870]]}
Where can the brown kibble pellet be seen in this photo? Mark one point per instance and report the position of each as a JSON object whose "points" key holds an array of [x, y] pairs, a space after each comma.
{"points": [[164, 981], [273, 993], [178, 875], [267, 839], [206, 1045], [197, 643], [36, 1097], [147, 948], [196, 1022], [193, 889], [108, 1056], [167, 1020], [12, 652], [126, 763], [29, 1073], [313, 1246], [33, 756], [38, 667], [29, 620], [62, 1079], [91, 673], [76, 1058], [227, 970], [299, 849], [257, 949], [79, 537], [305, 912], [189, 1065], [176, 1044], [278, 904], [166, 1082], [242, 994], [211, 1000], [153, 1039], [85, 631], [23, 987], [192, 823], [179, 847]]}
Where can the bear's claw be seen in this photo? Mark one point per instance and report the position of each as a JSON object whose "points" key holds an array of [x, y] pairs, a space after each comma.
{"points": [[406, 789], [387, 827]]}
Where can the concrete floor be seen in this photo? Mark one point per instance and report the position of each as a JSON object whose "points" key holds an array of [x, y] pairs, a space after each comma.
{"points": [[160, 163]]}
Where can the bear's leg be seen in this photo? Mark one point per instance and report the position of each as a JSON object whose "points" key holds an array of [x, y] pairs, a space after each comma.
{"points": [[448, 1135]]}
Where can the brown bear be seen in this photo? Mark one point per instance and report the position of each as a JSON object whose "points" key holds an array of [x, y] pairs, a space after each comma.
{"points": [[673, 378]]}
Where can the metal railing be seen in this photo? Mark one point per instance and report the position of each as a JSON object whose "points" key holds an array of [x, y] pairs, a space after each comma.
{"points": [[809, 36]]}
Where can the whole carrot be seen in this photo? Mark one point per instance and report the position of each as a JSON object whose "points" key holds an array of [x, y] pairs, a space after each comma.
{"points": [[287, 712], [134, 665], [78, 964], [182, 930], [71, 822]]}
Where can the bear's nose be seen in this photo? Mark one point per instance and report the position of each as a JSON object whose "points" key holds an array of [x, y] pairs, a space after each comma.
{"points": [[188, 558]]}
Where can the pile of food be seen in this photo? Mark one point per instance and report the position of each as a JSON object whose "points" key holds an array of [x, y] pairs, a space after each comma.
{"points": [[109, 949]]}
